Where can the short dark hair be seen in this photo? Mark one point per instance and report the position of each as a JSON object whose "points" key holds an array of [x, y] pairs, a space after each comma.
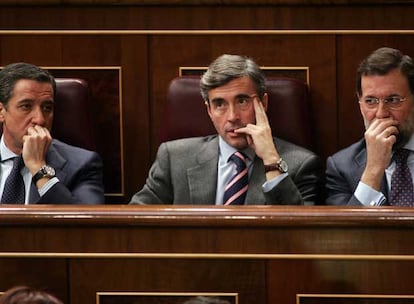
{"points": [[228, 67], [384, 60], [28, 295], [12, 73]]}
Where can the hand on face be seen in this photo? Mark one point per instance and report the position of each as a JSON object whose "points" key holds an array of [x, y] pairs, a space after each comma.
{"points": [[380, 136], [35, 145], [259, 135]]}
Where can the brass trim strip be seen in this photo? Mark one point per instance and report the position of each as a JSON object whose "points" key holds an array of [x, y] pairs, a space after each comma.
{"points": [[351, 296], [168, 294], [363, 296], [205, 32], [79, 255]]}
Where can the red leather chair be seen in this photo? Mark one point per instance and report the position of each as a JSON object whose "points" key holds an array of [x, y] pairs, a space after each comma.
{"points": [[72, 121], [288, 110]]}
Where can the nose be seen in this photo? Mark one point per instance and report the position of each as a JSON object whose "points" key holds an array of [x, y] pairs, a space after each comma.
{"points": [[232, 113], [38, 117], [382, 110]]}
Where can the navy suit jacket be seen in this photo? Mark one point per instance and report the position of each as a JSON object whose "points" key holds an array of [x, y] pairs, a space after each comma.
{"points": [[343, 173], [80, 177]]}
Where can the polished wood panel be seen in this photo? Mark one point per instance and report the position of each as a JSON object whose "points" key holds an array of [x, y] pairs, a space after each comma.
{"points": [[47, 274], [216, 15], [267, 254]]}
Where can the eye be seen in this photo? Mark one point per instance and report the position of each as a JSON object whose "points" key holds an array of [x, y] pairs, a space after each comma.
{"points": [[243, 100], [48, 108], [218, 103], [394, 100], [370, 101], [25, 106]]}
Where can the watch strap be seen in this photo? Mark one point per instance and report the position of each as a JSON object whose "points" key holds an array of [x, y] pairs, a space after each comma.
{"points": [[43, 172]]}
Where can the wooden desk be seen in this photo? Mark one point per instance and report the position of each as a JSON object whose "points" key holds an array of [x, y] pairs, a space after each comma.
{"points": [[263, 254]]}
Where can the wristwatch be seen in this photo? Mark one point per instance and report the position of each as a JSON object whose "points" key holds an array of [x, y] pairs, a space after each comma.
{"points": [[44, 171], [280, 165]]}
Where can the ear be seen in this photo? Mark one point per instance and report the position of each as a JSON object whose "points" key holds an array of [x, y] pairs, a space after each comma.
{"points": [[2, 112], [265, 101], [208, 108]]}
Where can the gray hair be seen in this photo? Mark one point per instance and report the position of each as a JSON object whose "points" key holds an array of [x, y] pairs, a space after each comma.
{"points": [[229, 67]]}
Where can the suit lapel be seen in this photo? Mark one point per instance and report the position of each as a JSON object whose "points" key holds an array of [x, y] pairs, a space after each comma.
{"points": [[202, 178]]}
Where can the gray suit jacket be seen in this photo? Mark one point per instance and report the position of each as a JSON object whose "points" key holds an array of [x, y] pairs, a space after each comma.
{"points": [[79, 172], [185, 172], [343, 173]]}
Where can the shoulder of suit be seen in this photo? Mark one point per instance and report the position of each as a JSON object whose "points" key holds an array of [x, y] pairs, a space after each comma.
{"points": [[284, 146], [67, 149], [192, 142], [351, 150]]}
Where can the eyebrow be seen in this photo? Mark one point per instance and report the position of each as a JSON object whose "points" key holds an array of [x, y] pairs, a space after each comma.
{"points": [[240, 95]]}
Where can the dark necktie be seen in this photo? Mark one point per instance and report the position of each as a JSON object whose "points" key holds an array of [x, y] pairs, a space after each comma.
{"points": [[401, 181], [236, 189], [14, 190]]}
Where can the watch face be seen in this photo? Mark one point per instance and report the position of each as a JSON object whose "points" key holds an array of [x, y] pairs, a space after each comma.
{"points": [[48, 170], [283, 166]]}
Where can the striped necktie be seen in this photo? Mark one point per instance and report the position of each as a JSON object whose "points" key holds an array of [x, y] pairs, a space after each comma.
{"points": [[14, 190], [401, 181], [236, 189]]}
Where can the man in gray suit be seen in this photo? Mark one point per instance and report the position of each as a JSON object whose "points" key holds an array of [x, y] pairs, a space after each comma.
{"points": [[364, 173], [196, 170], [51, 171]]}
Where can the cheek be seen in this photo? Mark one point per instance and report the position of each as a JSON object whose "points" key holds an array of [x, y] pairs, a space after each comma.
{"points": [[217, 121], [367, 115], [249, 118]]}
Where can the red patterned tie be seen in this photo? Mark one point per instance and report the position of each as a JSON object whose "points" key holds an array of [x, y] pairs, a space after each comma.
{"points": [[402, 193], [236, 189]]}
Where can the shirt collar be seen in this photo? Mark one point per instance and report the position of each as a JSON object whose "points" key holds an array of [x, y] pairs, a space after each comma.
{"points": [[5, 153], [226, 150], [410, 144]]}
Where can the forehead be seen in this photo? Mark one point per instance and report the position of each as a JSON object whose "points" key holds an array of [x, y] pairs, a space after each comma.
{"points": [[32, 89], [383, 85], [242, 85]]}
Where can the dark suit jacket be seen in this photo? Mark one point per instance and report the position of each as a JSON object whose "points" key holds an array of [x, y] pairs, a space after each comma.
{"points": [[185, 172], [343, 173], [79, 172]]}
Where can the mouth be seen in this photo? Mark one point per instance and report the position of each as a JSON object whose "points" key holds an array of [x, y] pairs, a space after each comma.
{"points": [[231, 132]]}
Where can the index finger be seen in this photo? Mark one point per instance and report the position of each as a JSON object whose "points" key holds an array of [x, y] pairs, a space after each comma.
{"points": [[261, 117]]}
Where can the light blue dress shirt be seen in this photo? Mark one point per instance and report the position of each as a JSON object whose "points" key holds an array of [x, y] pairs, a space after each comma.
{"points": [[226, 169]]}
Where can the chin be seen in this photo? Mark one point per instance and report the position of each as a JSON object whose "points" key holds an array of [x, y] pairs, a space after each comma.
{"points": [[239, 144]]}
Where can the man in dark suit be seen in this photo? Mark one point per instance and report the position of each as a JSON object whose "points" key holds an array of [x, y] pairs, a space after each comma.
{"points": [[198, 170], [366, 172], [52, 171]]}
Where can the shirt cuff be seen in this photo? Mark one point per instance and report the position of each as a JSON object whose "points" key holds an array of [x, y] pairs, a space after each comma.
{"points": [[368, 196], [50, 183], [270, 184]]}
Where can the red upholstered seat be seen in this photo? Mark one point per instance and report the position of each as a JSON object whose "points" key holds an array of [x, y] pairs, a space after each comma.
{"points": [[288, 110], [72, 122]]}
